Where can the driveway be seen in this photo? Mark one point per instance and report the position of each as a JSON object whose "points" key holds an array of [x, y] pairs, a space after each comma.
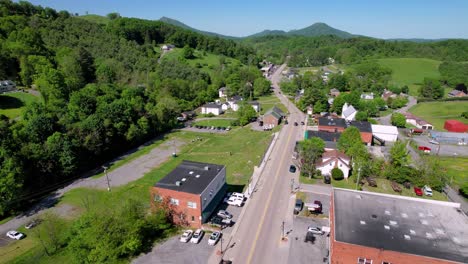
{"points": [[302, 252], [386, 120], [175, 252]]}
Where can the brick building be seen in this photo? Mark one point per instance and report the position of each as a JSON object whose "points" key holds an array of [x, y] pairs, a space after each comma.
{"points": [[331, 124], [193, 190], [365, 129], [374, 228], [272, 117]]}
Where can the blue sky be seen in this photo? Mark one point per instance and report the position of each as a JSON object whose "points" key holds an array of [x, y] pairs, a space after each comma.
{"points": [[377, 18]]}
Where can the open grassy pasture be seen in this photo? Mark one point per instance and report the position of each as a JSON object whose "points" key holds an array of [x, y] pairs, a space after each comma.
{"points": [[267, 102], [457, 169], [437, 112], [12, 104]]}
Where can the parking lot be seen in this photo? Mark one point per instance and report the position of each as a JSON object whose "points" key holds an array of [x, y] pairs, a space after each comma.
{"points": [[445, 149], [174, 252], [302, 252], [324, 199]]}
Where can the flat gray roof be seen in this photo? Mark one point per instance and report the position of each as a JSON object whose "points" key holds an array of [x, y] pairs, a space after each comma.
{"points": [[403, 224]]}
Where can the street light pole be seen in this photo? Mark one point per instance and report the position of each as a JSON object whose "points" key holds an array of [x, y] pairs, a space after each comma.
{"points": [[107, 178], [221, 243]]}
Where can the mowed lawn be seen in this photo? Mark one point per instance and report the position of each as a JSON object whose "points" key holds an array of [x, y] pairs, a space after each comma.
{"points": [[267, 102], [411, 71], [437, 112], [13, 104], [457, 169]]}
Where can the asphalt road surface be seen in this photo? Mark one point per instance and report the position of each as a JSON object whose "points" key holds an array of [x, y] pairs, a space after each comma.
{"points": [[258, 238]]}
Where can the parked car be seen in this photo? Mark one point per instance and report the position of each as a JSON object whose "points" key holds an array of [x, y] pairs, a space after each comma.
{"points": [[327, 179], [315, 207], [13, 234], [226, 198], [214, 238], [32, 224], [186, 236], [433, 141], [298, 206], [292, 169], [315, 230], [425, 149], [427, 190], [302, 123], [235, 201], [224, 214], [220, 222], [197, 236], [238, 195], [295, 124], [286, 122], [418, 191]]}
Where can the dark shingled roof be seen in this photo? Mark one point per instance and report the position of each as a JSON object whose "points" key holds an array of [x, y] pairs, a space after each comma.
{"points": [[197, 176], [212, 105], [324, 135], [403, 224], [330, 121], [363, 126], [275, 111]]}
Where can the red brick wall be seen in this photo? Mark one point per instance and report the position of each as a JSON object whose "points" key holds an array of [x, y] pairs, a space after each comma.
{"points": [[344, 253], [366, 137], [270, 120], [331, 128], [182, 208]]}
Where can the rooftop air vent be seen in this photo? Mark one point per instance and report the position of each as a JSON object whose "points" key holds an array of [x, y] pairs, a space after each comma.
{"points": [[178, 183], [393, 223], [407, 237], [184, 179], [429, 235], [362, 222], [412, 232], [387, 227], [207, 168], [190, 172], [424, 222], [387, 212], [197, 176], [404, 215], [358, 196]]}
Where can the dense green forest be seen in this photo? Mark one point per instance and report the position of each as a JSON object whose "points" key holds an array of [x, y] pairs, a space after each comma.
{"points": [[103, 88], [314, 51]]}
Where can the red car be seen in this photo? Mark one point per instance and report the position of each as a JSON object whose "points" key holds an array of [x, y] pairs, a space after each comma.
{"points": [[425, 149], [418, 191]]}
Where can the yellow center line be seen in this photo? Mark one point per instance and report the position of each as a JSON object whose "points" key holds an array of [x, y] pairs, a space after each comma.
{"points": [[249, 259]]}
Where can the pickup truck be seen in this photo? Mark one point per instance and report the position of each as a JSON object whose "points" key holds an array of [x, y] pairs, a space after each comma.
{"points": [[315, 207]]}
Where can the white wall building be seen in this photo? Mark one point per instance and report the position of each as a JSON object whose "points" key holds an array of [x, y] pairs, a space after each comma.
{"points": [[334, 159], [222, 92], [211, 108], [387, 133], [348, 112]]}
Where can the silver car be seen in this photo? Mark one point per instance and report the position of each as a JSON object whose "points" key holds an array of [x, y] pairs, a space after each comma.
{"points": [[214, 238]]}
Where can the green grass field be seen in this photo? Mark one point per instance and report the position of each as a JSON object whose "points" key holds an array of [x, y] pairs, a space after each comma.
{"points": [[207, 61], [96, 19], [411, 71], [214, 122], [457, 169], [383, 186], [13, 104], [267, 102], [437, 112]]}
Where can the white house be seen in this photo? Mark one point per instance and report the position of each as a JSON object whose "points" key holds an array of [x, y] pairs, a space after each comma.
{"points": [[367, 96], [348, 112], [225, 106], [167, 47], [234, 102], [211, 108], [334, 159], [386, 133], [222, 92], [6, 86], [255, 105], [417, 122]]}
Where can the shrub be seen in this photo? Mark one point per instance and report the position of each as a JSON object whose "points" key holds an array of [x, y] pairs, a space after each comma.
{"points": [[465, 114], [337, 174], [464, 190]]}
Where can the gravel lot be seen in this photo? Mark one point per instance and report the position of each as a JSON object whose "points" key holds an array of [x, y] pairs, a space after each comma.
{"points": [[445, 149], [302, 252]]}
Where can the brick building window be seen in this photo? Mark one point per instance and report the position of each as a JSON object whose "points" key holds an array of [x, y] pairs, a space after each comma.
{"points": [[193, 218], [385, 262], [364, 261], [174, 201], [192, 205]]}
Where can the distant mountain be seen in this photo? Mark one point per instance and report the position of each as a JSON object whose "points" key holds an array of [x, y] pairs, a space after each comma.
{"points": [[182, 25], [317, 29], [418, 40]]}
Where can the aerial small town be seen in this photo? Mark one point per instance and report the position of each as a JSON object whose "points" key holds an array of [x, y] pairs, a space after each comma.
{"points": [[127, 136]]}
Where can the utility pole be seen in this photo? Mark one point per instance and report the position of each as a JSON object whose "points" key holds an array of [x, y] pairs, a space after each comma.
{"points": [[358, 178], [174, 154], [221, 243], [107, 178], [282, 228]]}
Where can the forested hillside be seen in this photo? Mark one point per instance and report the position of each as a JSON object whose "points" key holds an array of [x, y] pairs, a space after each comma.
{"points": [[103, 88], [314, 51]]}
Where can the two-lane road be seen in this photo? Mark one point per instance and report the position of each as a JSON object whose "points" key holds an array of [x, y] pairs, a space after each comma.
{"points": [[258, 238]]}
